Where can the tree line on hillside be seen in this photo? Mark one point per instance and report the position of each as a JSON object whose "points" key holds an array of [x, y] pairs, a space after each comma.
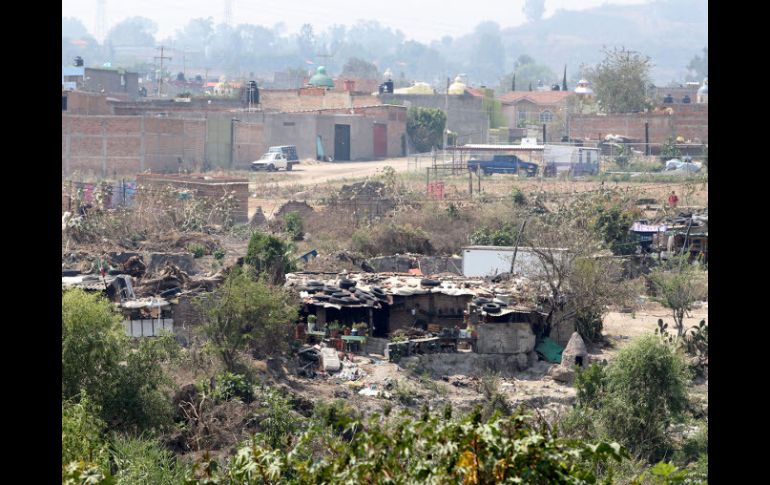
{"points": [[488, 55]]}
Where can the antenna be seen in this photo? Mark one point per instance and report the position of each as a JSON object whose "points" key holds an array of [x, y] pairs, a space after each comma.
{"points": [[101, 19], [229, 12]]}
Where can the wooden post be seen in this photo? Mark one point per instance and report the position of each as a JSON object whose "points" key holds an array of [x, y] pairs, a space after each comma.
{"points": [[470, 182]]}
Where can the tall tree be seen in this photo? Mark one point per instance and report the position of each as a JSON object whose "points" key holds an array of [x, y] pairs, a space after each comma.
{"points": [[359, 68], [699, 66], [196, 35], [133, 31], [533, 9], [564, 79], [306, 41], [72, 28], [488, 53], [620, 80]]}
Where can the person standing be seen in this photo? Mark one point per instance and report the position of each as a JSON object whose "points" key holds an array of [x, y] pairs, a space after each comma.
{"points": [[673, 200]]}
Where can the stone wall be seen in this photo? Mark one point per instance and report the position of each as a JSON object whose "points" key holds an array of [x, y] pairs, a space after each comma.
{"points": [[505, 338]]}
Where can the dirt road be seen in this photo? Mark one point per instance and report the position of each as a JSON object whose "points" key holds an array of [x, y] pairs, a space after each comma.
{"points": [[312, 172]]}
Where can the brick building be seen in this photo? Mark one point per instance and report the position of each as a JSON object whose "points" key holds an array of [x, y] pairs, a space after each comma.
{"points": [[105, 81], [689, 121], [522, 108]]}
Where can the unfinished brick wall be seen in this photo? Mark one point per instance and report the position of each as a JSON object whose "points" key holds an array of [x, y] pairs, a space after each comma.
{"points": [[209, 187], [290, 100], [688, 121], [124, 145], [80, 102]]}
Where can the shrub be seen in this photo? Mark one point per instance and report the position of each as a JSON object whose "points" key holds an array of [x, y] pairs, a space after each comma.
{"points": [[518, 196], [230, 387], [589, 384], [144, 460], [126, 381], [197, 250], [82, 433], [391, 238], [246, 314], [425, 128], [428, 450], [646, 390], [269, 255], [294, 225], [219, 254]]}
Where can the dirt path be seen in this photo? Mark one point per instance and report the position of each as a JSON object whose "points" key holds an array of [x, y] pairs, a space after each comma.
{"points": [[311, 172]]}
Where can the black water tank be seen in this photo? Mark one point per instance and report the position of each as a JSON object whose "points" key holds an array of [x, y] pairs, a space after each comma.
{"points": [[686, 99], [79, 61], [253, 96], [668, 99], [555, 87], [389, 86]]}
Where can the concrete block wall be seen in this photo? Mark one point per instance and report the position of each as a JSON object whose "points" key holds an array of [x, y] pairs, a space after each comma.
{"points": [[465, 115]]}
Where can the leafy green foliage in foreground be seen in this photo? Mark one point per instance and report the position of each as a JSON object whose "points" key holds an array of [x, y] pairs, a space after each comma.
{"points": [[426, 450]]}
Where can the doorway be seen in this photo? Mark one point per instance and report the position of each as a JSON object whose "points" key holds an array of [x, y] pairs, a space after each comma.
{"points": [[342, 142]]}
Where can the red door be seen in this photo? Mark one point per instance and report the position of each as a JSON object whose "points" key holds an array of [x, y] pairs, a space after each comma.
{"points": [[380, 140]]}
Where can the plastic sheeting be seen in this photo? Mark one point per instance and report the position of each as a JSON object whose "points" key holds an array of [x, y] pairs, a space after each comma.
{"points": [[550, 350]]}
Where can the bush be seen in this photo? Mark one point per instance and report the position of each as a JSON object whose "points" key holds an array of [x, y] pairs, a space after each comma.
{"points": [[390, 239], [589, 384], [427, 450], [612, 226], [518, 196], [82, 433], [244, 314], [646, 390], [197, 250], [219, 254], [269, 255], [230, 387], [294, 225], [144, 460], [126, 381], [503, 235], [425, 128]]}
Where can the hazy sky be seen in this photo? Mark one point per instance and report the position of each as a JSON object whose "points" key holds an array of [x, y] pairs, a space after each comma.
{"points": [[446, 18]]}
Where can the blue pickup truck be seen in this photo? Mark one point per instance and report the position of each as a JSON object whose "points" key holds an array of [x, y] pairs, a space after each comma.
{"points": [[503, 164]]}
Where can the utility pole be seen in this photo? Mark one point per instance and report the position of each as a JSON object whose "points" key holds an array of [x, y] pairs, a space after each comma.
{"points": [[160, 77], [446, 123]]}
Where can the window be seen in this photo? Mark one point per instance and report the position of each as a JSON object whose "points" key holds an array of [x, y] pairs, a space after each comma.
{"points": [[288, 123], [64, 103], [521, 116], [546, 117], [588, 156]]}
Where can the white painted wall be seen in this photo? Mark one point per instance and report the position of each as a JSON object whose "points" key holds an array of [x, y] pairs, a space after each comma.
{"points": [[478, 262]]}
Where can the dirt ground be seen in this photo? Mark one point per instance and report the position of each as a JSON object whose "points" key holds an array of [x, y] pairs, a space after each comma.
{"points": [[312, 180]]}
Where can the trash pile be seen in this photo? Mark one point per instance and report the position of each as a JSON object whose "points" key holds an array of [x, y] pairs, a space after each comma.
{"points": [[320, 360]]}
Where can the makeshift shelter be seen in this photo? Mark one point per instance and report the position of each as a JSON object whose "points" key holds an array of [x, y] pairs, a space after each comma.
{"points": [[575, 353]]}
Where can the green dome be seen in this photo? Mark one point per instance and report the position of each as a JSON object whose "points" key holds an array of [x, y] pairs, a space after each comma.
{"points": [[321, 79]]}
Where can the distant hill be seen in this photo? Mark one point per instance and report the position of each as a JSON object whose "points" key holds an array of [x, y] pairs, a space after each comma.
{"points": [[671, 32]]}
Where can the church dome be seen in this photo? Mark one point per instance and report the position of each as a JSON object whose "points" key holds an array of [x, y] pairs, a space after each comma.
{"points": [[321, 79], [457, 87]]}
